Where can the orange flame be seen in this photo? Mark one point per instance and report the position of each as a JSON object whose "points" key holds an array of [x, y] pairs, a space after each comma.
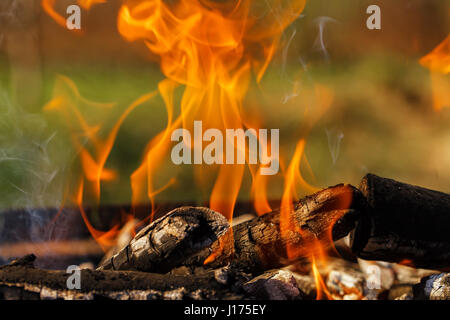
{"points": [[259, 190], [312, 248], [67, 99], [438, 62], [93, 150], [49, 8], [88, 4], [209, 48], [293, 178], [105, 239], [321, 288]]}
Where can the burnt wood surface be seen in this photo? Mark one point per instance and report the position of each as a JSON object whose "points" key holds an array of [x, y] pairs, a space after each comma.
{"points": [[21, 280], [169, 240], [405, 222], [258, 244]]}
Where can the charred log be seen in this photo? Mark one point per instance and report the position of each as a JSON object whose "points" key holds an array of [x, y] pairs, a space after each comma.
{"points": [[165, 243], [21, 280], [405, 222], [259, 244], [186, 235]]}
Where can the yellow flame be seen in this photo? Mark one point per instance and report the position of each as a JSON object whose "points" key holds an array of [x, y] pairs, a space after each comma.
{"points": [[210, 48]]}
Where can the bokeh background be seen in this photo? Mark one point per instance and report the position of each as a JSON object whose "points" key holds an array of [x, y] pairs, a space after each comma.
{"points": [[381, 119]]}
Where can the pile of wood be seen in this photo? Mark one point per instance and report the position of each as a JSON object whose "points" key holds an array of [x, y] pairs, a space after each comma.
{"points": [[384, 220]]}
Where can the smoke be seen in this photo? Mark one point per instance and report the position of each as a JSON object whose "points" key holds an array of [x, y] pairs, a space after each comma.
{"points": [[319, 43], [30, 177], [335, 137]]}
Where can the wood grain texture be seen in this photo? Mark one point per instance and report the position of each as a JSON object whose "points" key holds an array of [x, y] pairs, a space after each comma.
{"points": [[259, 244], [169, 240]]}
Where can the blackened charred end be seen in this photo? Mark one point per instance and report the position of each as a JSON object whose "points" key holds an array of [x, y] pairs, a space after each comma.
{"points": [[404, 221]]}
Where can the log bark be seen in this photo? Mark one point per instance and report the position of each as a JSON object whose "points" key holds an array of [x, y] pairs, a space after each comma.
{"points": [[434, 287], [21, 281], [404, 222], [255, 245], [168, 241], [259, 244]]}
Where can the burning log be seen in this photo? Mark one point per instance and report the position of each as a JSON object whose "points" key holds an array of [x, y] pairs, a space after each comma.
{"points": [[123, 239], [20, 280], [169, 240], [186, 235], [260, 245], [405, 222]]}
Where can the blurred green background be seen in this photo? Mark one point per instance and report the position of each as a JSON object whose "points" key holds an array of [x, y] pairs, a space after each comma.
{"points": [[381, 119]]}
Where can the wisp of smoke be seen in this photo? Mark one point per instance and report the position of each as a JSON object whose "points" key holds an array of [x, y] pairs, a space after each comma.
{"points": [[319, 43], [30, 177]]}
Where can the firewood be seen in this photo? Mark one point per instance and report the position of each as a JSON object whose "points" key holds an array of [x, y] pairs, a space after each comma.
{"points": [[21, 280], [123, 239], [166, 242], [404, 222], [434, 287], [259, 245], [276, 284]]}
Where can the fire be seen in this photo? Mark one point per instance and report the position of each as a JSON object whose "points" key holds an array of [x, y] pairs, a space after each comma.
{"points": [[314, 250], [88, 4], [89, 143], [259, 190], [49, 8], [438, 62], [293, 182], [293, 179], [209, 50], [321, 287]]}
